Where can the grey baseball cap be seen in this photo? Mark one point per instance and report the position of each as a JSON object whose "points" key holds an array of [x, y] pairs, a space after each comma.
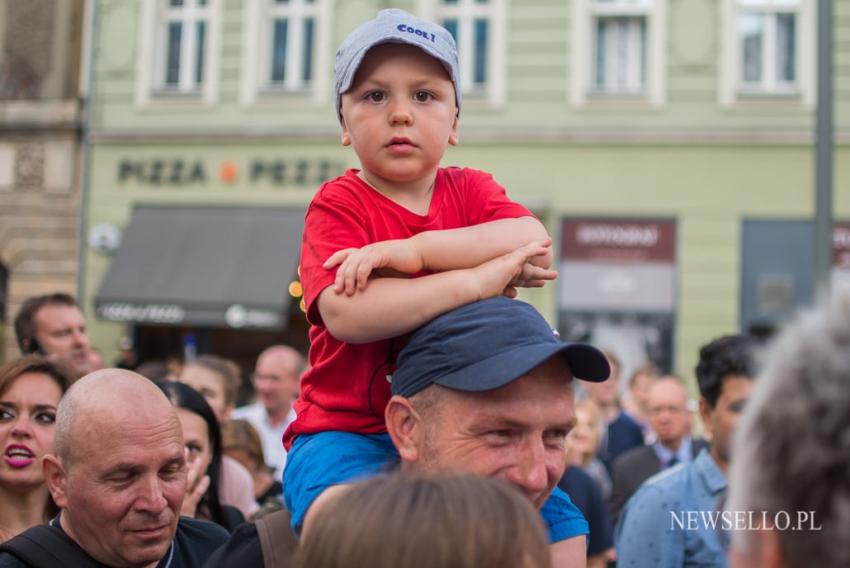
{"points": [[394, 26]]}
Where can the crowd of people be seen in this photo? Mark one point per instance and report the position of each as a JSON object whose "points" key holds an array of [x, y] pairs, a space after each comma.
{"points": [[437, 421], [125, 468]]}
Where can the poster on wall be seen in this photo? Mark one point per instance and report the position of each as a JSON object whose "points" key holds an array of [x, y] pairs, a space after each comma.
{"points": [[617, 287]]}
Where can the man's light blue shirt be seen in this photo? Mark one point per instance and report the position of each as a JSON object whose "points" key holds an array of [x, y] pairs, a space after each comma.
{"points": [[654, 530]]}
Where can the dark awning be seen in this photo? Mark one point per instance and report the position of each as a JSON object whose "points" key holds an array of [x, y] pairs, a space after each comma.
{"points": [[204, 266]]}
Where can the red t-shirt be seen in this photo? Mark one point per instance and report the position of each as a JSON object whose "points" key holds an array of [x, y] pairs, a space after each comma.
{"points": [[347, 387]]}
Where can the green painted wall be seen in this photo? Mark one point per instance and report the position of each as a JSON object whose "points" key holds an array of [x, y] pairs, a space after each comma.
{"points": [[709, 190], [707, 166], [538, 78]]}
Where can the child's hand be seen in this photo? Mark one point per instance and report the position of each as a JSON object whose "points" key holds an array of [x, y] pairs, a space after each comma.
{"points": [[532, 276], [355, 265], [503, 274]]}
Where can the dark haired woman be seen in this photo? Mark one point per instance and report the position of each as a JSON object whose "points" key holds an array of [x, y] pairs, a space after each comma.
{"points": [[30, 389], [202, 437]]}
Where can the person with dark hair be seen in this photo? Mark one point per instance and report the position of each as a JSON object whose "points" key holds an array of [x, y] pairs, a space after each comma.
{"points": [[648, 534], [155, 371], [202, 437], [217, 379], [30, 389], [53, 326], [118, 475], [426, 521]]}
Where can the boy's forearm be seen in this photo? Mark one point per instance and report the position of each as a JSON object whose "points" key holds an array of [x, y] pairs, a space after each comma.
{"points": [[470, 246], [390, 307]]}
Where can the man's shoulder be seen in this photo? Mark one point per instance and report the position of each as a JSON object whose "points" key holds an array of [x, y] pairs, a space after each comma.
{"points": [[249, 412], [196, 540], [629, 459], [243, 548], [579, 481], [198, 530], [9, 560], [625, 422], [665, 486]]}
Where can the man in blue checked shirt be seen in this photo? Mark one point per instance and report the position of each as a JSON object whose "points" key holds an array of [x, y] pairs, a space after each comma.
{"points": [[673, 520]]}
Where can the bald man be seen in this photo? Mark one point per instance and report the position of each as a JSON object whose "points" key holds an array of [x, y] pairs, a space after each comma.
{"points": [[277, 380], [670, 419], [118, 475]]}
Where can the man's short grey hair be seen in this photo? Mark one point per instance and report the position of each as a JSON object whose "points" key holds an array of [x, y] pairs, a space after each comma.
{"points": [[792, 446]]}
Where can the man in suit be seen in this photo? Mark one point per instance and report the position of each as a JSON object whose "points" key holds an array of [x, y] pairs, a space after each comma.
{"points": [[670, 419]]}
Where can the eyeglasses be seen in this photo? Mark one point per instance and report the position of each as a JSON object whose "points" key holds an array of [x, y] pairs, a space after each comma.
{"points": [[668, 409]]}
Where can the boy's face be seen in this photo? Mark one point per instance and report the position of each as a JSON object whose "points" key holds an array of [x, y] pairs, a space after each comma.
{"points": [[399, 115]]}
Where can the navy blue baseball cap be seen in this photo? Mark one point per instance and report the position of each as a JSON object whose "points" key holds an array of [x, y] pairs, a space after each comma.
{"points": [[486, 345]]}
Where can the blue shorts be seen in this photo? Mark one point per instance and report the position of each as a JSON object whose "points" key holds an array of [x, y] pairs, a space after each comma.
{"points": [[318, 461]]}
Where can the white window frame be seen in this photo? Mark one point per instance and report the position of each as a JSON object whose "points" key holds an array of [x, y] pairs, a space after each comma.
{"points": [[466, 12], [259, 16], [732, 88], [582, 54], [151, 56]]}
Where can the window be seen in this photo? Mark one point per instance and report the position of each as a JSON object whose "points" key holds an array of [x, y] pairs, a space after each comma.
{"points": [[478, 28], [182, 38], [625, 41], [620, 55], [767, 42], [178, 41], [767, 45], [285, 48], [290, 44]]}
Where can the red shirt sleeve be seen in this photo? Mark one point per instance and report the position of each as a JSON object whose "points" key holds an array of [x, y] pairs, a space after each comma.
{"points": [[332, 224], [486, 200]]}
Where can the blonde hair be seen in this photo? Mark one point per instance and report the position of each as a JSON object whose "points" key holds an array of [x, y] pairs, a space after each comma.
{"points": [[596, 425]]}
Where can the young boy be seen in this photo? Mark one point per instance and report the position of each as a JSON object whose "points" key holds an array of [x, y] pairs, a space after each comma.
{"points": [[438, 238]]}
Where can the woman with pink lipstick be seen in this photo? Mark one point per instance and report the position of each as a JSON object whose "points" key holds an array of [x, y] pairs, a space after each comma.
{"points": [[30, 389]]}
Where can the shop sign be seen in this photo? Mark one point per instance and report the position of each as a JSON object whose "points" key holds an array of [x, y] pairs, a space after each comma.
{"points": [[618, 265], [147, 313], [179, 172]]}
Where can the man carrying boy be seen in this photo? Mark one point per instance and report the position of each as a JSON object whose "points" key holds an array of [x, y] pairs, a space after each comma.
{"points": [[439, 238]]}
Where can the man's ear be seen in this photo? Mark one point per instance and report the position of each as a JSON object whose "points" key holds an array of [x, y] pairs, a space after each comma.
{"points": [[705, 415], [56, 479], [405, 428]]}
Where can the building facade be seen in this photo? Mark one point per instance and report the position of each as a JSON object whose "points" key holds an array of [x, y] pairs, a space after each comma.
{"points": [[667, 146], [40, 173]]}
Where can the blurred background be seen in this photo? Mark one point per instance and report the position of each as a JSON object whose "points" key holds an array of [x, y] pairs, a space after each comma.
{"points": [[157, 157]]}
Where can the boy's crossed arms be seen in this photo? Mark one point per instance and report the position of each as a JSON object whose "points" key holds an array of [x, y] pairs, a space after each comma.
{"points": [[465, 265]]}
